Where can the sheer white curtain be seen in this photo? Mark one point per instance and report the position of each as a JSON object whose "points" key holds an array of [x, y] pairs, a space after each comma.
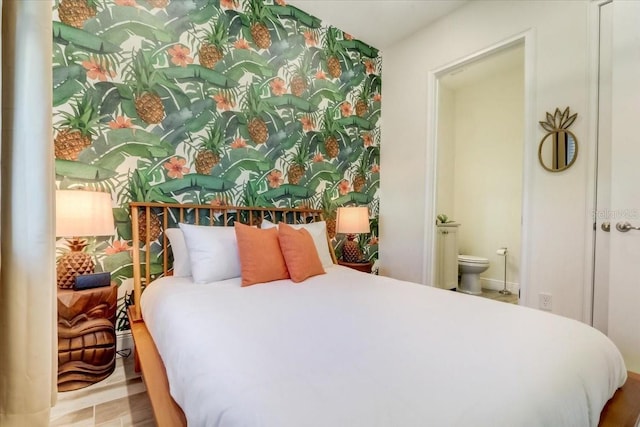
{"points": [[27, 263]]}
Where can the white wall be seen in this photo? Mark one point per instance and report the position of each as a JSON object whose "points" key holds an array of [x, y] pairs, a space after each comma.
{"points": [[557, 217], [489, 132], [445, 200]]}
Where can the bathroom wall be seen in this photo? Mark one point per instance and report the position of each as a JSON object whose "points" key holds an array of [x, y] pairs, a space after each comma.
{"points": [[445, 196], [488, 141]]}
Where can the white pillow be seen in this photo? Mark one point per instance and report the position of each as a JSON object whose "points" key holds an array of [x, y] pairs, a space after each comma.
{"points": [[213, 252], [181, 262], [318, 231]]}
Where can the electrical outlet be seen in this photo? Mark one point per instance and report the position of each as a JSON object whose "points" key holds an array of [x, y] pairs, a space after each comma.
{"points": [[546, 301]]}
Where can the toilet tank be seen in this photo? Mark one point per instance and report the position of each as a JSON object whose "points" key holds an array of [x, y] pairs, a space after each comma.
{"points": [[446, 260]]}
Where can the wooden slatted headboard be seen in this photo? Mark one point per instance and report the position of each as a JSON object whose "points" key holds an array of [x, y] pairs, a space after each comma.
{"points": [[167, 215], [159, 217]]}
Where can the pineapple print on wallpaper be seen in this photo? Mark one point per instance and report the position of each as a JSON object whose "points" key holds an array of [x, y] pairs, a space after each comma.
{"points": [[76, 128], [76, 12], [221, 102]]}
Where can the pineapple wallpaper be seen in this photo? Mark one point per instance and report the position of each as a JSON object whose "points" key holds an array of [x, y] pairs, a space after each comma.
{"points": [[237, 102]]}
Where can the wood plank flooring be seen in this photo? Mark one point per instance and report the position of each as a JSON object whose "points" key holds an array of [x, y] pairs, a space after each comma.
{"points": [[118, 401], [495, 295]]}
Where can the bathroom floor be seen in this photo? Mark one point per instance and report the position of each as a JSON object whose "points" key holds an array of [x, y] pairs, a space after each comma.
{"points": [[495, 295]]}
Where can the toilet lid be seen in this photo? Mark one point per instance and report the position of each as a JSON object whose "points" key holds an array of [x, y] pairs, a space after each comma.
{"points": [[472, 259]]}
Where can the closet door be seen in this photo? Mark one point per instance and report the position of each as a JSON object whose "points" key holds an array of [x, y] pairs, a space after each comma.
{"points": [[624, 266]]}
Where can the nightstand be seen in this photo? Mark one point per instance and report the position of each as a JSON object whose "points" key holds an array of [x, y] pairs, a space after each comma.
{"points": [[86, 336], [365, 267]]}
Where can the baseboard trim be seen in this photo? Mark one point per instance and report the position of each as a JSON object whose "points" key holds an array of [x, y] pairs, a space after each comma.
{"points": [[496, 285]]}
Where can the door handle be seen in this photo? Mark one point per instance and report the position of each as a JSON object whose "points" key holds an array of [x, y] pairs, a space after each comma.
{"points": [[606, 226], [623, 227]]}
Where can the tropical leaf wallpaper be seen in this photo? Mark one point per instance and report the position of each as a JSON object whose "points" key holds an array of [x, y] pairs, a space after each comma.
{"points": [[238, 102]]}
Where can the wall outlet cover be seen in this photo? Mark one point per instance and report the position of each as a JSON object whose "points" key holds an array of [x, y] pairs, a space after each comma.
{"points": [[546, 301]]}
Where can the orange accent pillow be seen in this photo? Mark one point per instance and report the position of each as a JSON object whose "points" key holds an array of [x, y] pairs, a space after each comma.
{"points": [[299, 252], [260, 256]]}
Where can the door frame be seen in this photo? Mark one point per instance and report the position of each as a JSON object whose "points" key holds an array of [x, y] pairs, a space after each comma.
{"points": [[592, 157], [530, 143]]}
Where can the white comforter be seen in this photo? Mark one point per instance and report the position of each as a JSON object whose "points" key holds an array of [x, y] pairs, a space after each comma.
{"points": [[350, 349]]}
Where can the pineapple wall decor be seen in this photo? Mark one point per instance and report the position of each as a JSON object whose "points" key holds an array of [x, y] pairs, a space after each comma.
{"points": [[558, 149], [236, 102]]}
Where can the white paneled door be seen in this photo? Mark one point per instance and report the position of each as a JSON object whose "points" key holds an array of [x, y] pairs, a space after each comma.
{"points": [[624, 251]]}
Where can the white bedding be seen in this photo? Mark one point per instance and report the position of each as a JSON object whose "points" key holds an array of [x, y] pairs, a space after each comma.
{"points": [[350, 349]]}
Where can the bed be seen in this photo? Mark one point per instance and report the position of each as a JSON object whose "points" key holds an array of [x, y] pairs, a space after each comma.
{"points": [[350, 349]]}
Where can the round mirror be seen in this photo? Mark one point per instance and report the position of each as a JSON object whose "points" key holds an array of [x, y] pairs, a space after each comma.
{"points": [[559, 147], [558, 150]]}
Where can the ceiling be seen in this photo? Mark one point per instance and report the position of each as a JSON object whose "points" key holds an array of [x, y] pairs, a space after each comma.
{"points": [[380, 23]]}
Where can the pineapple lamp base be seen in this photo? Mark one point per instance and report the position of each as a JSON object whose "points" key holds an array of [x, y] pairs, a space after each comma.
{"points": [[74, 263], [350, 250]]}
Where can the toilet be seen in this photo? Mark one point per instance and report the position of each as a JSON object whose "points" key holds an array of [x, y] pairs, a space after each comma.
{"points": [[470, 268]]}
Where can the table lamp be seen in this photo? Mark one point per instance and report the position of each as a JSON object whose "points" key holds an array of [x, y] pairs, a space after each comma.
{"points": [[79, 214], [351, 221]]}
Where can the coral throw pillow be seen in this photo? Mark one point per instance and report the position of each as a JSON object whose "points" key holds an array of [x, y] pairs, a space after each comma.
{"points": [[299, 252], [260, 256]]}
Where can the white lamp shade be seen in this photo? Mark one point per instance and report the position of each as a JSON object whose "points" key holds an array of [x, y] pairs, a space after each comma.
{"points": [[83, 213], [353, 220]]}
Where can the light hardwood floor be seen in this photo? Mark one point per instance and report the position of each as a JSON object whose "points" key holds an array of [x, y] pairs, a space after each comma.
{"points": [[495, 295], [118, 401]]}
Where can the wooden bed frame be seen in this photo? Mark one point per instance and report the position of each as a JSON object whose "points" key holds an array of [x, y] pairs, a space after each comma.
{"points": [[623, 409], [147, 359]]}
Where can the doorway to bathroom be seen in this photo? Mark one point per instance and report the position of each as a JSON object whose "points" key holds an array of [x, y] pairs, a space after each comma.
{"points": [[479, 145]]}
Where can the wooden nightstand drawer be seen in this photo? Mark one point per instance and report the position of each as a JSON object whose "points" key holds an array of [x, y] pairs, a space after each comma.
{"points": [[365, 267], [86, 336]]}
